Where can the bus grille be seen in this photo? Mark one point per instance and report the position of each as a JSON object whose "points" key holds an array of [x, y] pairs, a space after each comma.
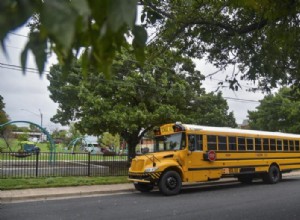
{"points": [[137, 165]]}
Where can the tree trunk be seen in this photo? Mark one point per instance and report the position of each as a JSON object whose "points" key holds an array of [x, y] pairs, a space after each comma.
{"points": [[132, 143]]}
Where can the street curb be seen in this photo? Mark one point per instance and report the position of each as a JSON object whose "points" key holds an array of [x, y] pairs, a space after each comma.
{"points": [[56, 193], [11, 196]]}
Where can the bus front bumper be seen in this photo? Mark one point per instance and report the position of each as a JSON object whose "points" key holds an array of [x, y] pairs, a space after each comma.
{"points": [[144, 177]]}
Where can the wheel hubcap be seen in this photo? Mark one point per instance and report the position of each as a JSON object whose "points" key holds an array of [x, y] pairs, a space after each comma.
{"points": [[171, 182], [275, 175]]}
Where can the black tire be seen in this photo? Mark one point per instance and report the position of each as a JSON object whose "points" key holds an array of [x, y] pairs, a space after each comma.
{"points": [[273, 175], [170, 183], [246, 179], [143, 187]]}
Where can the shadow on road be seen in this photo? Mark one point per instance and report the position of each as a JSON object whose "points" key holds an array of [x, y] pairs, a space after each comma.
{"points": [[220, 185]]}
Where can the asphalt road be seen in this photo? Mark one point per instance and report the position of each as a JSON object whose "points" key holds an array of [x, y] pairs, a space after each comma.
{"points": [[205, 201]]}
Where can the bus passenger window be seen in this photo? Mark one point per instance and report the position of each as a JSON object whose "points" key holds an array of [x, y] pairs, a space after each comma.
{"points": [[257, 144], [192, 142], [266, 144], [241, 143], [249, 144], [285, 145], [296, 145], [272, 144], [279, 145], [292, 148], [199, 142], [232, 143], [212, 142], [222, 143]]}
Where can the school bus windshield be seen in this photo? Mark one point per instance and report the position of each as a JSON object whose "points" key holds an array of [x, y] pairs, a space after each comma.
{"points": [[169, 142]]}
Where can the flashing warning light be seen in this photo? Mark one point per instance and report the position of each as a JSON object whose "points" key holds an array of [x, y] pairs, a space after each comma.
{"points": [[178, 128]]}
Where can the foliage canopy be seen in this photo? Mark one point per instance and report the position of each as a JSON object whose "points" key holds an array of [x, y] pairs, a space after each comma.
{"points": [[67, 27], [136, 99], [279, 112], [260, 37]]}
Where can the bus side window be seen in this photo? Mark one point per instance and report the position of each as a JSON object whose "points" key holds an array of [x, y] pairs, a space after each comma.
{"points": [[257, 144], [279, 145], [211, 142], [232, 143], [199, 142], [285, 145], [241, 143], [222, 142], [272, 144], [266, 144], [249, 144], [292, 148], [297, 145], [192, 142]]}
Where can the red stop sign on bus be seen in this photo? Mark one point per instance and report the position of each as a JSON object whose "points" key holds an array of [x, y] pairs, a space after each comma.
{"points": [[211, 155]]}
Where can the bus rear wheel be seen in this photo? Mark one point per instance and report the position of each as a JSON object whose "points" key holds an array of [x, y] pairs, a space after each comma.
{"points": [[273, 175], [170, 183]]}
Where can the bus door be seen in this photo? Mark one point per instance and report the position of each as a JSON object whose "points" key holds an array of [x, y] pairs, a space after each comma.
{"points": [[195, 158]]}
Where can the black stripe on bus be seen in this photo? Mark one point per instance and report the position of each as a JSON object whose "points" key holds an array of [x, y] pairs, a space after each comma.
{"points": [[221, 167], [285, 164], [256, 151], [258, 158]]}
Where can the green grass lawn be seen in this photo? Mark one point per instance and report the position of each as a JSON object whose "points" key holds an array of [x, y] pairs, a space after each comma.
{"points": [[27, 183]]}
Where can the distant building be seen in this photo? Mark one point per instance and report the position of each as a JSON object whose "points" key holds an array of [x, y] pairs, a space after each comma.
{"points": [[33, 136], [245, 124]]}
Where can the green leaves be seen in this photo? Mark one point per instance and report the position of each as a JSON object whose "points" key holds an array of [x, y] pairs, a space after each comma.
{"points": [[139, 42], [121, 13], [58, 20], [66, 27], [257, 36], [279, 112], [38, 47]]}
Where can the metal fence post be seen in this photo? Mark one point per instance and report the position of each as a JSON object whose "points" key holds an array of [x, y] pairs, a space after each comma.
{"points": [[89, 163], [37, 163]]}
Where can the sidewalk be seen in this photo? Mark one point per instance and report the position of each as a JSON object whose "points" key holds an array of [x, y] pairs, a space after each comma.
{"points": [[9, 196]]}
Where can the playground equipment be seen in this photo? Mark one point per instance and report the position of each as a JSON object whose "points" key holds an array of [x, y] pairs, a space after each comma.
{"points": [[49, 138], [82, 147]]}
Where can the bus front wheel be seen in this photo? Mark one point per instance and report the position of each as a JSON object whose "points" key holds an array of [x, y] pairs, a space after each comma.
{"points": [[273, 175], [170, 183]]}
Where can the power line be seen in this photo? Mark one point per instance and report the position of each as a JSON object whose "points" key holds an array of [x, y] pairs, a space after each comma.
{"points": [[19, 68], [34, 70], [135, 61], [20, 35]]}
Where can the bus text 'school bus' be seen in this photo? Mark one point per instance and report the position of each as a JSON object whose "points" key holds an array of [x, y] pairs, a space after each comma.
{"points": [[192, 153]]}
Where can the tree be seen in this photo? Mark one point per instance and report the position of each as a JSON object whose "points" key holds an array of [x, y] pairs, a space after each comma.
{"points": [[135, 100], [110, 141], [66, 27], [5, 132], [279, 112], [137, 97], [258, 37], [210, 109]]}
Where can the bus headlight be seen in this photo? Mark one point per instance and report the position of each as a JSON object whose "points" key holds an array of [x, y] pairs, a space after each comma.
{"points": [[151, 169]]}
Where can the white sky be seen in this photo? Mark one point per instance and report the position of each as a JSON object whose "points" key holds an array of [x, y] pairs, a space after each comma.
{"points": [[26, 96]]}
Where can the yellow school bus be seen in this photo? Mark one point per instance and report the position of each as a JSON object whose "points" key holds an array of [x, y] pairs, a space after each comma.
{"points": [[193, 153]]}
